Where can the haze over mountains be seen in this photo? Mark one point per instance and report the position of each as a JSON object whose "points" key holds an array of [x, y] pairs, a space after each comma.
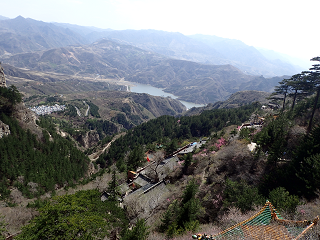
{"points": [[194, 166], [26, 35], [196, 68], [190, 81], [200, 48]]}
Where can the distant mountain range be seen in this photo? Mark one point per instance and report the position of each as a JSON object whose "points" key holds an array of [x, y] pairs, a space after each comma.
{"points": [[196, 68], [190, 81], [200, 48], [25, 35], [20, 35], [275, 56], [3, 18]]}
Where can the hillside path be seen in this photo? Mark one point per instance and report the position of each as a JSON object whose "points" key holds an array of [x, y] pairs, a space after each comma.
{"points": [[94, 156], [87, 112], [78, 111]]}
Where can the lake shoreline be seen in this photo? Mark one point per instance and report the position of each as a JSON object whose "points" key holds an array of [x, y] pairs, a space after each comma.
{"points": [[154, 91]]}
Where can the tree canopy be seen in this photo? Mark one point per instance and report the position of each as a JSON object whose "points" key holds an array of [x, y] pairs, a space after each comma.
{"points": [[166, 129], [301, 85], [26, 161], [78, 216]]}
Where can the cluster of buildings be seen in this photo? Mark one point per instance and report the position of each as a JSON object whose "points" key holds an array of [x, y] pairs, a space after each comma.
{"points": [[43, 110]]}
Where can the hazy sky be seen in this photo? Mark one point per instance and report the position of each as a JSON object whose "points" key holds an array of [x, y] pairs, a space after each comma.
{"points": [[287, 26]]}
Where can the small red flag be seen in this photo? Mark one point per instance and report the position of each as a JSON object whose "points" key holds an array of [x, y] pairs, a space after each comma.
{"points": [[148, 159]]}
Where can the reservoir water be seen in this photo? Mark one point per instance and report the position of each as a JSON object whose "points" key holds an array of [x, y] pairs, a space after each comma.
{"points": [[143, 88]]}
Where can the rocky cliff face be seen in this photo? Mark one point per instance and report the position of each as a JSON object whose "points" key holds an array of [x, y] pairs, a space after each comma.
{"points": [[89, 139], [4, 129], [27, 119], [2, 78]]}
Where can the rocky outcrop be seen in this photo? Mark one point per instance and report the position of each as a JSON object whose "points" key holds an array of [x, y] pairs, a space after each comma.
{"points": [[89, 139], [27, 119], [4, 129], [2, 78], [92, 169]]}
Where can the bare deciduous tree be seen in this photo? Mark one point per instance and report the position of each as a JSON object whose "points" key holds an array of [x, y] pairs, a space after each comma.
{"points": [[133, 207], [157, 159]]}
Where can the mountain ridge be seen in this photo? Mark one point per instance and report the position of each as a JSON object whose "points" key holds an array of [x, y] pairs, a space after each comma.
{"points": [[3, 18], [199, 48], [38, 35], [26, 35], [190, 81]]}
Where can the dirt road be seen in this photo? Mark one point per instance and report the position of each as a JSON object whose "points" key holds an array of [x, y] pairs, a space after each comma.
{"points": [[94, 156]]}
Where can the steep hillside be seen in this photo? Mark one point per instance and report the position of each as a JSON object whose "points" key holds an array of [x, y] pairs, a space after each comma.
{"points": [[26, 35], [219, 183], [135, 107], [32, 150], [236, 100], [190, 81], [242, 98]]}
